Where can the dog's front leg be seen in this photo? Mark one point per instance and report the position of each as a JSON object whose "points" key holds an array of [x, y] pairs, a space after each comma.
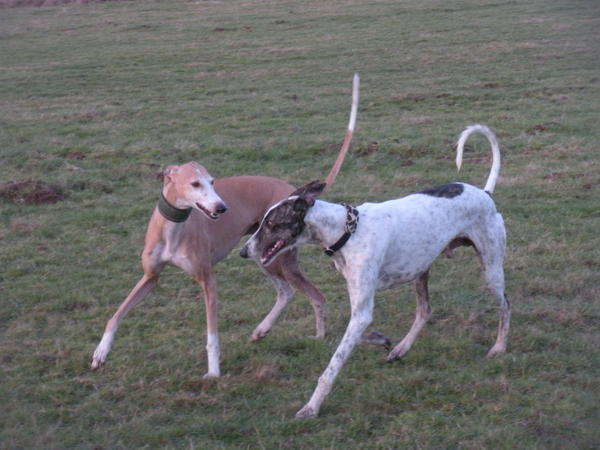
{"points": [[284, 294], [361, 302], [209, 285], [137, 294]]}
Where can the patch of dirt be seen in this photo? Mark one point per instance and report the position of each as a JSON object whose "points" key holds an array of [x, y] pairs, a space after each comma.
{"points": [[332, 148], [258, 373], [222, 29], [593, 185], [22, 226], [408, 182], [406, 119], [364, 150], [75, 155], [536, 129], [417, 98], [553, 176], [155, 170], [467, 160], [31, 192]]}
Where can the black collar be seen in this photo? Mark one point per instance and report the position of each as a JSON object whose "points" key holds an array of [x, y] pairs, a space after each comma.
{"points": [[172, 213], [349, 229]]}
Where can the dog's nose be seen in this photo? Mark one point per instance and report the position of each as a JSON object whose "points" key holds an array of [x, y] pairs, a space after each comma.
{"points": [[244, 252], [221, 208]]}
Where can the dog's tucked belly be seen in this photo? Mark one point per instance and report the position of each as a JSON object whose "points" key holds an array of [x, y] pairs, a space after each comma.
{"points": [[387, 279], [403, 270]]}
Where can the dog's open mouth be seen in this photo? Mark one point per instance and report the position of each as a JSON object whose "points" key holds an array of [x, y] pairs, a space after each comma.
{"points": [[271, 251], [210, 214]]}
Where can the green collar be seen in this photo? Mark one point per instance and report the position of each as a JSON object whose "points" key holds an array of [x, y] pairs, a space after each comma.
{"points": [[172, 213]]}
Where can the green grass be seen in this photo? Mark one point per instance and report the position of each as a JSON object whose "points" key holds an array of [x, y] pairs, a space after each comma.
{"points": [[95, 98]]}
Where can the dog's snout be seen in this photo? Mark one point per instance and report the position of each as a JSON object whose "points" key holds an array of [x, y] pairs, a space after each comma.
{"points": [[221, 208], [244, 252]]}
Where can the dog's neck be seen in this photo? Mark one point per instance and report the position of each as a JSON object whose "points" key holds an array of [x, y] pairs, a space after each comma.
{"points": [[325, 222], [169, 193], [169, 210]]}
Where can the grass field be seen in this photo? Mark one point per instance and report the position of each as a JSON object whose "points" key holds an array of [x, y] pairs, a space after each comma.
{"points": [[95, 98]]}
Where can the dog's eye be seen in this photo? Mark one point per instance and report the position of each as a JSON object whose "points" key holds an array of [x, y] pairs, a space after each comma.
{"points": [[212, 182], [195, 184]]}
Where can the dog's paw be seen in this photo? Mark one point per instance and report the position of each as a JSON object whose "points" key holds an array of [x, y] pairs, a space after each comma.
{"points": [[258, 334], [316, 336], [307, 412], [96, 363], [496, 350], [397, 353], [376, 338], [98, 358], [320, 335]]}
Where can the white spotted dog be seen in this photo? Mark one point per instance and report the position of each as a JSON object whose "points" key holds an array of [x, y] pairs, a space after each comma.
{"points": [[394, 242]]}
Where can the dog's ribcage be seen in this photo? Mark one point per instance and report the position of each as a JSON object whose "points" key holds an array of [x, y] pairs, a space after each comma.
{"points": [[399, 239]]}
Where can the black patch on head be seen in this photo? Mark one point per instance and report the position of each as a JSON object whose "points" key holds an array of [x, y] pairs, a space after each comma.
{"points": [[280, 227], [449, 190], [287, 217]]}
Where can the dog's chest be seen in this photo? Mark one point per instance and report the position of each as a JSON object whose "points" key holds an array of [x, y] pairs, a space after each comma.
{"points": [[174, 250]]}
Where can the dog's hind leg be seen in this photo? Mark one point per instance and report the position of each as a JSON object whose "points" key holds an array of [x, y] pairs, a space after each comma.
{"points": [[503, 324], [494, 275], [423, 313], [491, 253]]}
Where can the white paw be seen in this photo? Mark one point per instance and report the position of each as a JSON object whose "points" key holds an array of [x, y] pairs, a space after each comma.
{"points": [[496, 350], [258, 334], [102, 350], [397, 353], [307, 412], [99, 358]]}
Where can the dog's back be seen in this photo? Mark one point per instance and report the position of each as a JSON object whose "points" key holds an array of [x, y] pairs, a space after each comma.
{"points": [[414, 230]]}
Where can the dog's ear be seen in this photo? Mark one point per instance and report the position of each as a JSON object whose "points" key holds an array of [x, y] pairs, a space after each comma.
{"points": [[313, 191], [168, 173], [310, 192]]}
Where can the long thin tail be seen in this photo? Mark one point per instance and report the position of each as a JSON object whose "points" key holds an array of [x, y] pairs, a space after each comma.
{"points": [[477, 128], [348, 137]]}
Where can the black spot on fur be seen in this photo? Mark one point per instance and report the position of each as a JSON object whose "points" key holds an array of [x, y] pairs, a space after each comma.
{"points": [[449, 190]]}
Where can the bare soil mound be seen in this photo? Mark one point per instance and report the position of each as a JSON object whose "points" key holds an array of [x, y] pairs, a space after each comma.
{"points": [[31, 192]]}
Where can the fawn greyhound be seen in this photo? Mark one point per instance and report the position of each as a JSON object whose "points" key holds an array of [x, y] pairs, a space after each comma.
{"points": [[393, 242], [197, 221]]}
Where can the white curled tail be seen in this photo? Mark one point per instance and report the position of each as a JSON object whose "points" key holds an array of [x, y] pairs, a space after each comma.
{"points": [[477, 128], [348, 137]]}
